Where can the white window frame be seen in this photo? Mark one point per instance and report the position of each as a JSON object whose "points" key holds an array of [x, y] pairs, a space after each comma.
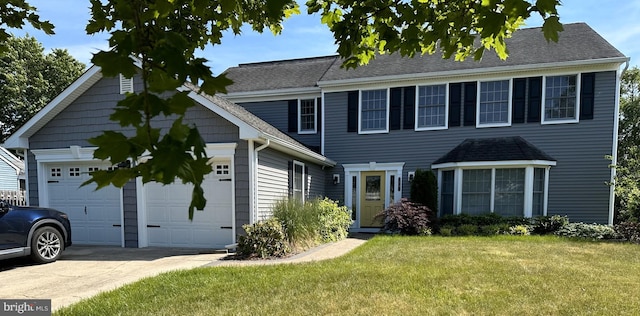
{"points": [[302, 180], [417, 126], [544, 100], [509, 104], [528, 165], [315, 117], [378, 131]]}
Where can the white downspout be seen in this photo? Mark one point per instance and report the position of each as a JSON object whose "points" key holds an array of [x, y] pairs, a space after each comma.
{"points": [[254, 212], [614, 151]]}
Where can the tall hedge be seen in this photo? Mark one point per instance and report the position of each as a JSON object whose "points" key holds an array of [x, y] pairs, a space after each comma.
{"points": [[424, 189]]}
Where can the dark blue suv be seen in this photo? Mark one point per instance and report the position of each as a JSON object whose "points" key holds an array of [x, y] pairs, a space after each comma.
{"points": [[42, 233]]}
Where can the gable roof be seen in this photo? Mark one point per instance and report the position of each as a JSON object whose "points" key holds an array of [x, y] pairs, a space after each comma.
{"points": [[578, 44], [494, 149], [250, 126], [11, 160]]}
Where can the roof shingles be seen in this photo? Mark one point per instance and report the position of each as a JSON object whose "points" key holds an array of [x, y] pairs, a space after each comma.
{"points": [[494, 149]]}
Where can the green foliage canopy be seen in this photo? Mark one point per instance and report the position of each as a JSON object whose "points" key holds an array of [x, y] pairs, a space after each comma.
{"points": [[628, 164], [158, 39], [29, 79]]}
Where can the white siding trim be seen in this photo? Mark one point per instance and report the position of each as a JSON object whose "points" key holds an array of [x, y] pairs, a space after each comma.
{"points": [[493, 164]]}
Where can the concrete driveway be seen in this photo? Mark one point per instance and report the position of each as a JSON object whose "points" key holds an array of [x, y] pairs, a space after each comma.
{"points": [[84, 271]]}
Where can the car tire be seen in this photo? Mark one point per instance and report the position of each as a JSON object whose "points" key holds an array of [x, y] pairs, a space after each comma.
{"points": [[46, 245]]}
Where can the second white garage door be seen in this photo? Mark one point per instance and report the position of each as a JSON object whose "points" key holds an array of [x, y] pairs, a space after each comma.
{"points": [[168, 223]]}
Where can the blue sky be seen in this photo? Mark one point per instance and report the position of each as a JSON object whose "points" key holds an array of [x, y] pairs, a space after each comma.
{"points": [[304, 35]]}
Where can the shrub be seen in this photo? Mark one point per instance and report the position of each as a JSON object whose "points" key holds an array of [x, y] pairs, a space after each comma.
{"points": [[489, 230], [630, 231], [466, 230], [300, 223], [446, 231], [264, 239], [549, 224], [477, 220], [406, 217], [590, 231], [316, 221], [334, 220], [519, 230], [424, 189]]}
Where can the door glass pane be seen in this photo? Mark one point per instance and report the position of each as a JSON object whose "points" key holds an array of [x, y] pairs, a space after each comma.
{"points": [[392, 181], [373, 188], [354, 197]]}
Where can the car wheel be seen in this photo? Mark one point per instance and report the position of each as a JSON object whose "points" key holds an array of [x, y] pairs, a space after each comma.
{"points": [[46, 245]]}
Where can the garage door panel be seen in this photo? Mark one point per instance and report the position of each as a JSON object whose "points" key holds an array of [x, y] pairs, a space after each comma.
{"points": [[167, 207], [95, 215]]}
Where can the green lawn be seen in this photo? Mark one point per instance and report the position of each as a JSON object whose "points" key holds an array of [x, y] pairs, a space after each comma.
{"points": [[502, 275]]}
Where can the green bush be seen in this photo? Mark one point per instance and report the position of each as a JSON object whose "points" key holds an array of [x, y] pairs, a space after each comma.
{"points": [[447, 231], [264, 239], [466, 230], [313, 222], [424, 189], [630, 231], [589, 231], [477, 220], [549, 224], [406, 218], [334, 220], [489, 230], [519, 230]]}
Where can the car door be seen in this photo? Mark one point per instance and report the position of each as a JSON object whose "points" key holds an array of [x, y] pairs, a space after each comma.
{"points": [[12, 230]]}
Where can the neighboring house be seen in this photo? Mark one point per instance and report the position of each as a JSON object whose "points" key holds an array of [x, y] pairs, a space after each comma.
{"points": [[254, 165], [526, 136], [11, 172]]}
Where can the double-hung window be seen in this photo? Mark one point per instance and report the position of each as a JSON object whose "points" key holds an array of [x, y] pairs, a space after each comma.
{"points": [[307, 110], [561, 99], [431, 107], [494, 104], [374, 111]]}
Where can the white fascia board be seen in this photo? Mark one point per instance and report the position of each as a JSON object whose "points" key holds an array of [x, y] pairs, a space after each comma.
{"points": [[20, 139], [604, 64], [273, 95], [246, 131], [493, 164], [73, 153]]}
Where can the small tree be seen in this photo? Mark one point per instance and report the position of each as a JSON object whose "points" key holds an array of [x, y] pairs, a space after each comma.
{"points": [[424, 189]]}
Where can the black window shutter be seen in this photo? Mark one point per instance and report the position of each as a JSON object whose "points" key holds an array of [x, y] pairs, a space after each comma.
{"points": [[470, 95], [519, 99], [352, 111], [319, 114], [395, 108], [587, 94], [293, 116], [409, 107], [535, 100], [455, 104]]}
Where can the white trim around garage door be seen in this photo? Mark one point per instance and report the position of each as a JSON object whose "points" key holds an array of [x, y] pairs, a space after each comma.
{"points": [[214, 152], [71, 154]]}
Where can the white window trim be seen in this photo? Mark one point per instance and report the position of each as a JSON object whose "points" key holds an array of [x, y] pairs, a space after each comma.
{"points": [[293, 185], [315, 117], [528, 185], [446, 108], [509, 105], [380, 131], [544, 97]]}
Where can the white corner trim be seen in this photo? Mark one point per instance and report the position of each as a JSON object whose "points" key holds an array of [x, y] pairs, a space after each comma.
{"points": [[494, 164]]}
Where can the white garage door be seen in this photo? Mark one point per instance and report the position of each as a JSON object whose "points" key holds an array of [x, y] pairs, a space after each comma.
{"points": [[168, 223], [95, 215]]}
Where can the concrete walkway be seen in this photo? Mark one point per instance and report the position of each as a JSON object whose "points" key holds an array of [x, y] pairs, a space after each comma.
{"points": [[84, 271]]}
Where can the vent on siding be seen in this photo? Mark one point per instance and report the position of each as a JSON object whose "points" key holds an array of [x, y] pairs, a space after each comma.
{"points": [[126, 84]]}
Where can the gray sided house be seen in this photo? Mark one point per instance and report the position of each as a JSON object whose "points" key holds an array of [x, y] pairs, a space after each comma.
{"points": [[254, 165], [11, 172], [525, 136]]}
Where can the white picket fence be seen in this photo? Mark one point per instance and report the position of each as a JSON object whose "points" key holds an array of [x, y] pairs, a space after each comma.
{"points": [[13, 197]]}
